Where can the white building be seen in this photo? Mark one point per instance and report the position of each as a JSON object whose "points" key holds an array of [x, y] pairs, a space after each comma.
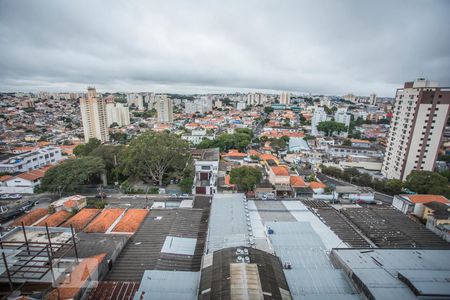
{"points": [[164, 109], [256, 99], [197, 136], [31, 161], [319, 116], [117, 113], [24, 183], [341, 116], [373, 99], [136, 99], [202, 105], [93, 115], [285, 98], [206, 171], [241, 105], [420, 115]]}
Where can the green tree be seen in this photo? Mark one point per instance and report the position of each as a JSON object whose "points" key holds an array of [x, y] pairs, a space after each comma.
{"points": [[151, 155], [426, 182], [239, 140], [186, 185], [278, 144], [71, 173], [245, 177], [393, 186], [330, 127], [347, 142], [268, 109], [86, 149]]}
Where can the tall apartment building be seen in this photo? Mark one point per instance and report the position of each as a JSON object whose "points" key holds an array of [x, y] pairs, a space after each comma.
{"points": [[319, 116], [285, 98], [373, 99], [136, 99], [202, 105], [421, 111], [341, 116], [117, 113], [93, 115], [164, 109], [256, 99]]}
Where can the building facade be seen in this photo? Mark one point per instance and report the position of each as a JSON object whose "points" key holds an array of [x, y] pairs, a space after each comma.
{"points": [[31, 160], [117, 113], [93, 115], [164, 109], [285, 98], [319, 116], [420, 114]]}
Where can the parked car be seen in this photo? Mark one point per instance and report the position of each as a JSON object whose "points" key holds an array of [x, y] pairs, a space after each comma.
{"points": [[16, 196], [4, 196]]}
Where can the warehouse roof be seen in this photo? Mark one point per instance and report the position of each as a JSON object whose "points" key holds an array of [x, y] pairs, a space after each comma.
{"points": [[157, 284], [228, 222], [242, 273], [312, 274], [397, 273]]}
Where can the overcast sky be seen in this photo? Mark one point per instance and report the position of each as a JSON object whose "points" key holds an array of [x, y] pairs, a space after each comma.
{"points": [[330, 47]]}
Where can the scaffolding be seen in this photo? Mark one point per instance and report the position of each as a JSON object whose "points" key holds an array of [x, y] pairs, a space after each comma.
{"points": [[26, 260]]}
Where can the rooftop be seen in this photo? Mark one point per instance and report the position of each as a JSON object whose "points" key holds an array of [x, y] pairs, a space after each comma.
{"points": [[426, 198], [228, 222], [157, 284], [82, 218], [397, 273], [144, 249], [211, 154]]}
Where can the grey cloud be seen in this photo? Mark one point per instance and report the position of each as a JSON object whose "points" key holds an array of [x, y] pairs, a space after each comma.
{"points": [[325, 46]]}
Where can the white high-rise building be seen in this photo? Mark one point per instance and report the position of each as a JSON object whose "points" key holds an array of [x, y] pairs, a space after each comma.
{"points": [[256, 99], [319, 116], [202, 105], [93, 115], [285, 98], [117, 113], [421, 111], [136, 100], [164, 109], [341, 116], [373, 99]]}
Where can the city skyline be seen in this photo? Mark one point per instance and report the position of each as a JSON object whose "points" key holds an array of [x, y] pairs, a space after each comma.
{"points": [[175, 48]]}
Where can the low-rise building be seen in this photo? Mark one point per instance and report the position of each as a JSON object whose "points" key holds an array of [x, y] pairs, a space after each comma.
{"points": [[31, 160], [415, 203], [206, 171]]}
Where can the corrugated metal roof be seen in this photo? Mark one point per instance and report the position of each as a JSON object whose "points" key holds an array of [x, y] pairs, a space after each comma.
{"points": [[228, 223], [398, 273], [312, 275], [178, 285]]}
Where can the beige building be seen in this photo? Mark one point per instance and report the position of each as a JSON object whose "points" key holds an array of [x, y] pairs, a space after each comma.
{"points": [[93, 114], [164, 108], [420, 114], [285, 98]]}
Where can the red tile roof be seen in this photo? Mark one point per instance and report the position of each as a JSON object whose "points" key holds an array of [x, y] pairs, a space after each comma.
{"points": [[427, 198], [280, 171], [82, 218], [31, 217], [55, 219], [317, 185], [104, 220], [131, 221], [297, 181]]}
